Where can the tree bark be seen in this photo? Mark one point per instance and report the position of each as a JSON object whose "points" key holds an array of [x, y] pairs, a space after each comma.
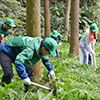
{"points": [[74, 47], [33, 18], [33, 28], [47, 18], [67, 12]]}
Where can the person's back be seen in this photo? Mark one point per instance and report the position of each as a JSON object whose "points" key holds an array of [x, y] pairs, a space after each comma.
{"points": [[16, 45], [85, 39]]}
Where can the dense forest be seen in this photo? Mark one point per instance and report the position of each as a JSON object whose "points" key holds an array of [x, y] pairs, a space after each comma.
{"points": [[89, 13]]}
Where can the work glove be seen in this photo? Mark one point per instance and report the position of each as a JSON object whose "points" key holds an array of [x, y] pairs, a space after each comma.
{"points": [[52, 74], [94, 54], [27, 81], [60, 43]]}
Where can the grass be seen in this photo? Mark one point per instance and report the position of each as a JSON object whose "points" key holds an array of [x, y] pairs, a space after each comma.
{"points": [[74, 81]]}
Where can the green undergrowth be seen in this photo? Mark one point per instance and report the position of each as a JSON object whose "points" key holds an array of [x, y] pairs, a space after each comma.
{"points": [[74, 81]]}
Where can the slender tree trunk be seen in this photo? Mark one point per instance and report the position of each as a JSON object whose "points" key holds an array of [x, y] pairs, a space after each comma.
{"points": [[74, 47], [47, 18], [67, 12], [33, 28]]}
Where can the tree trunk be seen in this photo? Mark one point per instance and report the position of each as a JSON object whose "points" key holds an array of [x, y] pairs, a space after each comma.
{"points": [[67, 12], [33, 18], [33, 28], [47, 18], [74, 47]]}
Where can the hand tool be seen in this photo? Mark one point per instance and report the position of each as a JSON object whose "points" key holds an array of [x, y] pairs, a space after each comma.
{"points": [[41, 86], [94, 60]]}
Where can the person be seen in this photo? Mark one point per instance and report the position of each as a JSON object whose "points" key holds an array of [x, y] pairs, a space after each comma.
{"points": [[5, 29], [55, 35], [25, 52], [86, 43]]}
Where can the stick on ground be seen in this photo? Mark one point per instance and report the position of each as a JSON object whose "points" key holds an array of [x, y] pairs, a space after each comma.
{"points": [[41, 86]]}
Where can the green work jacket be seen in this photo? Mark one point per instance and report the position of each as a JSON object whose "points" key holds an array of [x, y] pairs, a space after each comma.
{"points": [[29, 47], [58, 37]]}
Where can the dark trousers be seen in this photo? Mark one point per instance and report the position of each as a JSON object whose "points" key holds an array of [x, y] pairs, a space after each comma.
{"points": [[6, 64], [0, 39], [30, 73], [90, 61], [57, 53]]}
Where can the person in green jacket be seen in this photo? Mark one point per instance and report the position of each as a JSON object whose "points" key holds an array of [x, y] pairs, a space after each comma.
{"points": [[25, 52], [5, 29], [56, 36]]}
